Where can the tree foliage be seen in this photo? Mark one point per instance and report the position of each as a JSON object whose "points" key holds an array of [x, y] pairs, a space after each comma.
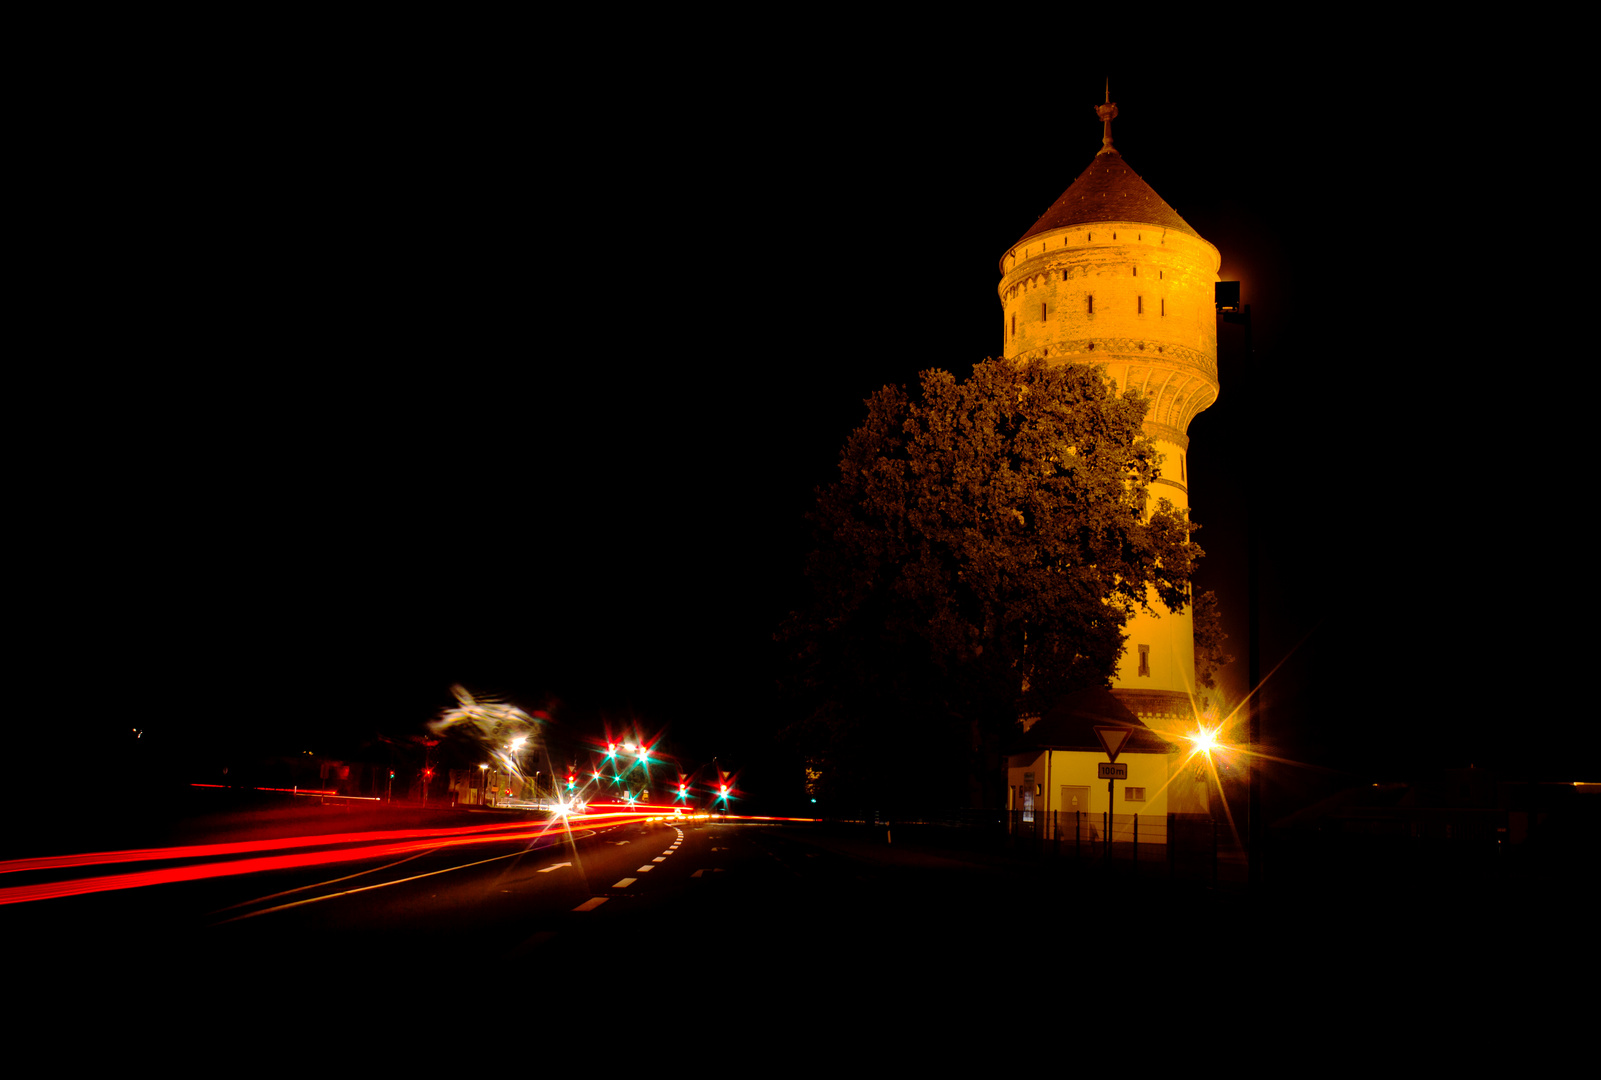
{"points": [[1209, 638], [979, 555]]}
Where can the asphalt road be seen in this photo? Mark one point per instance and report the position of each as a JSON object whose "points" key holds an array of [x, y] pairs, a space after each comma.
{"points": [[781, 912], [793, 936]]}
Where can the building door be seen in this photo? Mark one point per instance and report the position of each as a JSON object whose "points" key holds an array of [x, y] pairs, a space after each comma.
{"points": [[1075, 797]]}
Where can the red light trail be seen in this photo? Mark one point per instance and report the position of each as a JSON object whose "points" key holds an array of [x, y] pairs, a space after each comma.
{"points": [[344, 847]]}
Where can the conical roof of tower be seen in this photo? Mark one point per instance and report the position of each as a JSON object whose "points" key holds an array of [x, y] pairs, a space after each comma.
{"points": [[1109, 191]]}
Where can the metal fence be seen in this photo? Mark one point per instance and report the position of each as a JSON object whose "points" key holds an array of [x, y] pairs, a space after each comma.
{"points": [[1187, 844], [1189, 847]]}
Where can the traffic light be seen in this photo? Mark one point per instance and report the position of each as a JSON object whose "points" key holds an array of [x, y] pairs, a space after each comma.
{"points": [[572, 781]]}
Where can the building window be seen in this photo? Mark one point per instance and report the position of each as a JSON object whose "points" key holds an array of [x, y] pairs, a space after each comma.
{"points": [[1042, 311], [1133, 794], [1014, 325], [1092, 305], [1145, 660], [1164, 305], [1136, 271], [1139, 305]]}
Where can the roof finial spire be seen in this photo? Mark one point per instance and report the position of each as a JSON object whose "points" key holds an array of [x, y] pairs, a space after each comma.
{"points": [[1106, 113]]}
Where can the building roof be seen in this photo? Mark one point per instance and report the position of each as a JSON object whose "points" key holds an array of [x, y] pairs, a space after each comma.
{"points": [[1109, 191], [1071, 722]]}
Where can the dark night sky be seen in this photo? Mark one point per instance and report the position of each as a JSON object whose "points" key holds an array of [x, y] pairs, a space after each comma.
{"points": [[386, 375]]}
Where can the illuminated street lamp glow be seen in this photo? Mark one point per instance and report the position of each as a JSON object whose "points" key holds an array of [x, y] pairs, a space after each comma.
{"points": [[1205, 741]]}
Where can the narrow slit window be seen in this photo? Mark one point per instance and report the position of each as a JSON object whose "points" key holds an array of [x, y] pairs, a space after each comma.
{"points": [[1139, 305], [1042, 311], [1145, 660], [1092, 305]]}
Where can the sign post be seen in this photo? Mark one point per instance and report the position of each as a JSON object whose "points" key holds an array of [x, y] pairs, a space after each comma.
{"points": [[1112, 740]]}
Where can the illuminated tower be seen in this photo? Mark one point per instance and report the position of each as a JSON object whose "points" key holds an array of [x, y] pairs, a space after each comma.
{"points": [[1111, 275]]}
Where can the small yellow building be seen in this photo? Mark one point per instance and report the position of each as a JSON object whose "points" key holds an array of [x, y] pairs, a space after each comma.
{"points": [[1055, 791]]}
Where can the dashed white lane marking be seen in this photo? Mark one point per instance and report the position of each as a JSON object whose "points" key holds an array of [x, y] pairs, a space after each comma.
{"points": [[659, 858], [715, 870], [647, 868], [592, 903], [623, 884]]}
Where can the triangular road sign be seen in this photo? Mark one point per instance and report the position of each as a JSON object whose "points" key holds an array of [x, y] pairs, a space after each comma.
{"points": [[1112, 738]]}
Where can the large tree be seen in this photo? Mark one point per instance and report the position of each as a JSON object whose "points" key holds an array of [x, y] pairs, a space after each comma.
{"points": [[976, 559]]}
